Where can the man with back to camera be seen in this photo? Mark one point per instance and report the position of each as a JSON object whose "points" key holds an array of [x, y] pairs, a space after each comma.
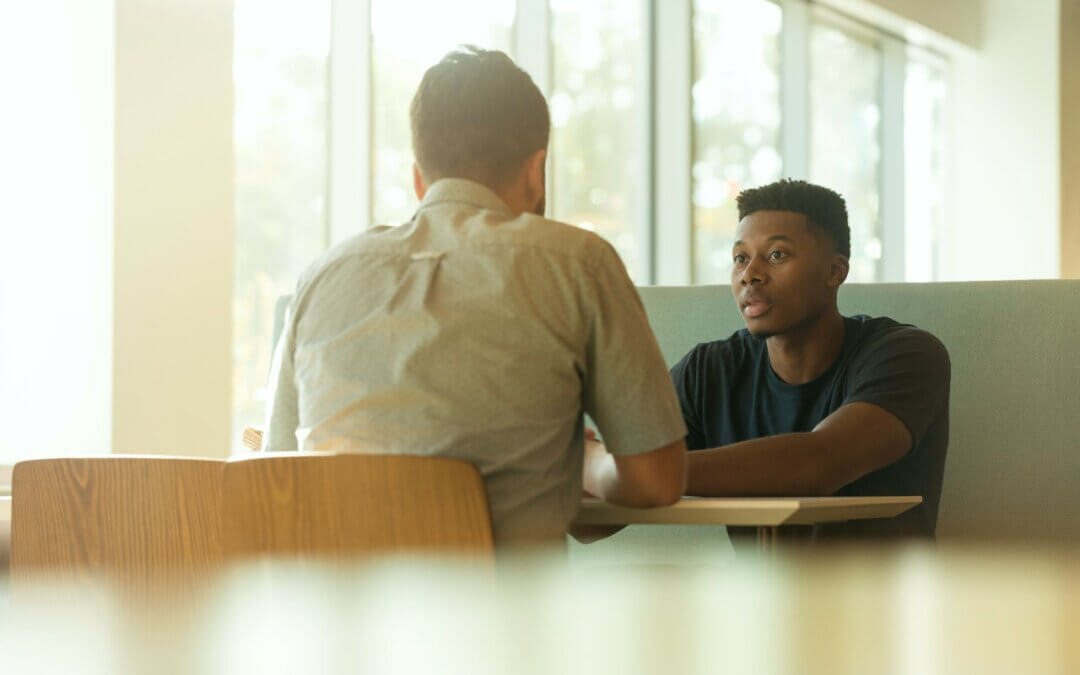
{"points": [[480, 330], [805, 401]]}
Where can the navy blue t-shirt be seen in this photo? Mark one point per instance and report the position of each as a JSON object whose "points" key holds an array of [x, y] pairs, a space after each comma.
{"points": [[729, 393]]}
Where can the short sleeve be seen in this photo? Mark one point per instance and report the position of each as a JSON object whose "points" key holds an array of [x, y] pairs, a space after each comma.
{"points": [[905, 371], [282, 410], [627, 390], [686, 377]]}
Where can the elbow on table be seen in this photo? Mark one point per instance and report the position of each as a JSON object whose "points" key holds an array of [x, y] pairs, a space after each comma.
{"points": [[665, 495], [668, 490]]}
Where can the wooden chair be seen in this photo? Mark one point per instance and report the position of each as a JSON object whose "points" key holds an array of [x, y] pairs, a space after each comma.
{"points": [[133, 519], [346, 505]]}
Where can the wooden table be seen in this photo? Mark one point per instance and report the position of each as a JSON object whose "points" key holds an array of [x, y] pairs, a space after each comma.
{"points": [[765, 513]]}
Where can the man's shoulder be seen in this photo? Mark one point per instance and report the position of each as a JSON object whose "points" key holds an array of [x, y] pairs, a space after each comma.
{"points": [[370, 240], [559, 238], [875, 331], [883, 337]]}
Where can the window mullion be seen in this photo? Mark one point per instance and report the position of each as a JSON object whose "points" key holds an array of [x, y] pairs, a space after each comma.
{"points": [[532, 51], [672, 142], [645, 204], [532, 41], [795, 89], [891, 211], [350, 103]]}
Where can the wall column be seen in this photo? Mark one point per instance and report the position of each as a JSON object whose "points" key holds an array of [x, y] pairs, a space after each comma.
{"points": [[1070, 139]]}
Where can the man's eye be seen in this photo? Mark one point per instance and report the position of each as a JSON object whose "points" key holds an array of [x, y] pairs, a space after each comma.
{"points": [[777, 255], [739, 258]]}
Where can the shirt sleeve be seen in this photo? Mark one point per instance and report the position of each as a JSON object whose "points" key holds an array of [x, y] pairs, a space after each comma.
{"points": [[627, 390], [685, 375], [282, 408], [907, 373]]}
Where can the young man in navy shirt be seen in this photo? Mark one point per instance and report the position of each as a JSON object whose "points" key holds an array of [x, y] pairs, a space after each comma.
{"points": [[805, 401]]}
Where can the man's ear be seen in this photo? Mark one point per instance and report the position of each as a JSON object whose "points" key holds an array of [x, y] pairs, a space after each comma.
{"points": [[535, 175], [838, 270], [418, 184]]}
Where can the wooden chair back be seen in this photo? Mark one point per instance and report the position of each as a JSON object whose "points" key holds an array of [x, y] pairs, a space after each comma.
{"points": [[128, 518], [346, 505]]}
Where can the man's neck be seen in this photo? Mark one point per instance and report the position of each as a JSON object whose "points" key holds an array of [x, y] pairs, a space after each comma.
{"points": [[802, 355]]}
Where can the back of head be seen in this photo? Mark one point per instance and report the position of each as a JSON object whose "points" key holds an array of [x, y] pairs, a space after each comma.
{"points": [[477, 115], [823, 208]]}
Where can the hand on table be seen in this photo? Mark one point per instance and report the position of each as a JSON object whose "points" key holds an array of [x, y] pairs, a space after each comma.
{"points": [[586, 534]]}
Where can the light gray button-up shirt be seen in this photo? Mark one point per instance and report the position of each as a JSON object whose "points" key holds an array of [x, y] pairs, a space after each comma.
{"points": [[475, 334]]}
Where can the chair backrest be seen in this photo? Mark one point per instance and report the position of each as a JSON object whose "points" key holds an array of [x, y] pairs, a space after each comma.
{"points": [[345, 505], [134, 519]]}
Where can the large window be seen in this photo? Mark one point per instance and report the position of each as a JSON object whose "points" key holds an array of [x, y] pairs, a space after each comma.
{"points": [[280, 68], [924, 162], [736, 111], [598, 159], [662, 111], [845, 126]]}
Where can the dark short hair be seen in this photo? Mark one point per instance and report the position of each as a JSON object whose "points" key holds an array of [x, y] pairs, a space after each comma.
{"points": [[823, 208], [477, 115]]}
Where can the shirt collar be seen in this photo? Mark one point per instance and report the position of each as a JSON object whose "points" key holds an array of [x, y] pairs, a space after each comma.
{"points": [[463, 191]]}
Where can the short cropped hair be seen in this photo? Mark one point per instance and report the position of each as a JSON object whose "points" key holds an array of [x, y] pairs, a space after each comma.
{"points": [[477, 115], [823, 208]]}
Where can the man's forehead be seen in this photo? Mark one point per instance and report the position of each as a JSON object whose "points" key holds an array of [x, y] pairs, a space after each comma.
{"points": [[769, 224]]}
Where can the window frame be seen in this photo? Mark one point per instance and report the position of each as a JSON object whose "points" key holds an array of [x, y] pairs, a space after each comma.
{"points": [[666, 123]]}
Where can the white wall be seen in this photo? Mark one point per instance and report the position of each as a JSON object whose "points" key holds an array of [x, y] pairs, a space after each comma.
{"points": [[956, 20], [116, 208], [56, 66], [1005, 183]]}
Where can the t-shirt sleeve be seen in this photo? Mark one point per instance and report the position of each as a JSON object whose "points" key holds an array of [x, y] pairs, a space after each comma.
{"points": [[906, 372], [627, 390], [686, 377]]}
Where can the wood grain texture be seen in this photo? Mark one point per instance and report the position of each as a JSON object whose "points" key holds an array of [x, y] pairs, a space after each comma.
{"points": [[130, 518], [342, 505]]}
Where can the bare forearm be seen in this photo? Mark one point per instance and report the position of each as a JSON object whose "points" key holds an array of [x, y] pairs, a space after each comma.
{"points": [[652, 479], [786, 464]]}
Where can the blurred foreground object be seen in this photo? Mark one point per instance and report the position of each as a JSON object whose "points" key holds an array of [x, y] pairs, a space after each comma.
{"points": [[910, 611]]}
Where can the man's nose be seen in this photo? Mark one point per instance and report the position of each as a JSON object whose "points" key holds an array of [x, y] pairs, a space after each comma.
{"points": [[752, 273]]}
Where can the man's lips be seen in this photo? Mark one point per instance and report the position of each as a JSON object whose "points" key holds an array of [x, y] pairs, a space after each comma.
{"points": [[754, 307]]}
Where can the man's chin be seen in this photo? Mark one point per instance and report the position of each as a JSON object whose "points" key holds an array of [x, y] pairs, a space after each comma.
{"points": [[758, 330]]}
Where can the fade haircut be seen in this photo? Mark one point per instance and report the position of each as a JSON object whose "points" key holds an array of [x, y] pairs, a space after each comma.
{"points": [[477, 115], [823, 208]]}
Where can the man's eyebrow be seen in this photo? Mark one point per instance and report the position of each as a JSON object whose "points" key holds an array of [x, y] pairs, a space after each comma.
{"points": [[775, 237]]}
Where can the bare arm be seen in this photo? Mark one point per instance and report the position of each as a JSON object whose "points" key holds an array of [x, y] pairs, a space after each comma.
{"points": [[654, 478], [853, 441]]}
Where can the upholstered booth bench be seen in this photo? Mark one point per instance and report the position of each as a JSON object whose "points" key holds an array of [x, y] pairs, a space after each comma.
{"points": [[1012, 473]]}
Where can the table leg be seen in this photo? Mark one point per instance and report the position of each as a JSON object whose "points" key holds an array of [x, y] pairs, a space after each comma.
{"points": [[767, 540]]}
